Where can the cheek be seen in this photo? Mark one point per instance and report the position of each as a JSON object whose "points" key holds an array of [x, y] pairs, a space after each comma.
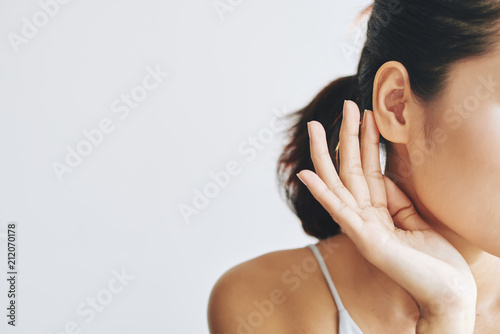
{"points": [[459, 179]]}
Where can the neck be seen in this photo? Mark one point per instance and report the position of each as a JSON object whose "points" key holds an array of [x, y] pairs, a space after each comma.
{"points": [[484, 266]]}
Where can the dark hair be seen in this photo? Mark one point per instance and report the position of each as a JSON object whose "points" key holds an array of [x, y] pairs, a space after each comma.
{"points": [[428, 37]]}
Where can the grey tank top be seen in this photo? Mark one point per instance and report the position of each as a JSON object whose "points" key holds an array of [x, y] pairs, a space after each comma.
{"points": [[346, 324]]}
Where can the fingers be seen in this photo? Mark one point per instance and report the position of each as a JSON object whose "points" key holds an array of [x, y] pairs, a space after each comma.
{"points": [[346, 217], [323, 164], [402, 210], [370, 159], [351, 170]]}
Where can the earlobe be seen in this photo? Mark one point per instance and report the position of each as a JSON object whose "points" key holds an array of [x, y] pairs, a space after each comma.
{"points": [[391, 94]]}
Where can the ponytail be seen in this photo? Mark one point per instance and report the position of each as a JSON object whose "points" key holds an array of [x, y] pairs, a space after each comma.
{"points": [[325, 108]]}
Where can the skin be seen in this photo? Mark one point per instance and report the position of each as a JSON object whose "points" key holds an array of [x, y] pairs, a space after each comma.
{"points": [[455, 189], [449, 228]]}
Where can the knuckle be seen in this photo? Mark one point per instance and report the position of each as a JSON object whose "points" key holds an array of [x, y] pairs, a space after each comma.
{"points": [[375, 174], [323, 192], [338, 210], [320, 155], [337, 186], [405, 213], [323, 153], [356, 169], [409, 214], [379, 205], [353, 134], [365, 205]]}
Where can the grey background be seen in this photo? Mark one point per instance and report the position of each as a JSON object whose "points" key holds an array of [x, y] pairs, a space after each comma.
{"points": [[119, 209]]}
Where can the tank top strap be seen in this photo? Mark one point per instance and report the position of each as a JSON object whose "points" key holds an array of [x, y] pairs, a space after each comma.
{"points": [[326, 274]]}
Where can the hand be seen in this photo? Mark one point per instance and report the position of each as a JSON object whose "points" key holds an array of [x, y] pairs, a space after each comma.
{"points": [[381, 220]]}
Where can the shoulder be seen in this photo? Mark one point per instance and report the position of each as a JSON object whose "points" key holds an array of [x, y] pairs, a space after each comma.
{"points": [[252, 294], [274, 292]]}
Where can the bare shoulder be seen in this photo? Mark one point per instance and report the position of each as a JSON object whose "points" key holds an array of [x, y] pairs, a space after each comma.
{"points": [[251, 296], [280, 291]]}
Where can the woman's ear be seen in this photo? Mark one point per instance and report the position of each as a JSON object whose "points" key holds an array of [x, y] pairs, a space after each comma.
{"points": [[392, 101]]}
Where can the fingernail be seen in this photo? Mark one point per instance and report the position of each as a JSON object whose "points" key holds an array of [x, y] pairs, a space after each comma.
{"points": [[308, 131], [364, 117], [300, 178], [343, 108]]}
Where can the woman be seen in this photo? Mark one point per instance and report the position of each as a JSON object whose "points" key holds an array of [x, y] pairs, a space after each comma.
{"points": [[414, 249]]}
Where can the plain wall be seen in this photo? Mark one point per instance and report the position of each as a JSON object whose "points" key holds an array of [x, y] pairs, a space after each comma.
{"points": [[117, 211]]}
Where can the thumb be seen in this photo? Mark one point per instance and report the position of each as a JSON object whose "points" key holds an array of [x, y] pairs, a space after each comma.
{"points": [[401, 208]]}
